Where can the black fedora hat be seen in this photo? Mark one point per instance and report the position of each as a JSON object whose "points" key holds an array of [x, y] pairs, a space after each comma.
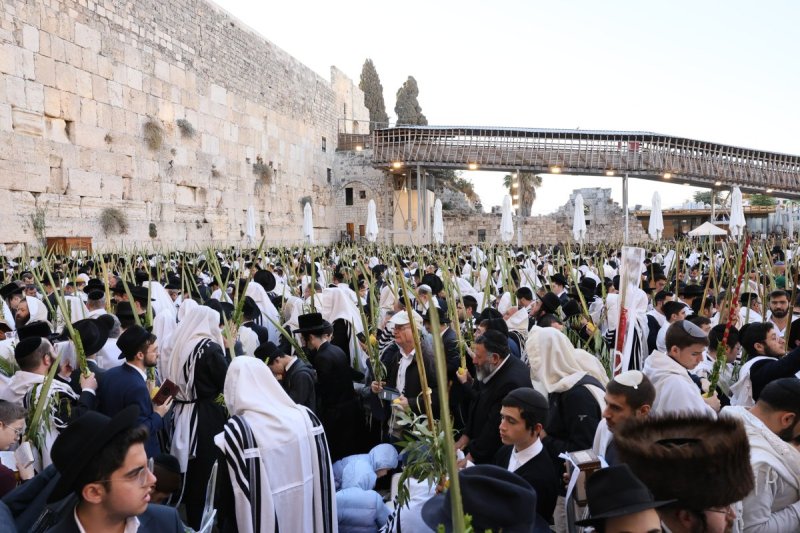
{"points": [[94, 284], [93, 334], [267, 352], [266, 279], [690, 291], [495, 498], [616, 491], [37, 328], [10, 289], [550, 302], [124, 310], [559, 278], [131, 340], [81, 441], [141, 293], [312, 323]]}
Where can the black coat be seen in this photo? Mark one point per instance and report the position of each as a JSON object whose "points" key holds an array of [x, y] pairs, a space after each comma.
{"points": [[541, 475], [260, 331], [483, 428], [337, 404], [413, 385], [75, 377], [300, 383], [571, 421]]}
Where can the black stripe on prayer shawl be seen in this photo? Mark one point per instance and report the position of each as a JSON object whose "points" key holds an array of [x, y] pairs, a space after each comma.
{"points": [[325, 468], [235, 458], [188, 370]]}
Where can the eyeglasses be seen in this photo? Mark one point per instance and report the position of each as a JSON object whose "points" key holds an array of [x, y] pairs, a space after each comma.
{"points": [[17, 431], [139, 475]]}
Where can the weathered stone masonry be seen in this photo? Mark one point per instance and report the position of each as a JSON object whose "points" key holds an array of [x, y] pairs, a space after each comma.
{"points": [[79, 80]]}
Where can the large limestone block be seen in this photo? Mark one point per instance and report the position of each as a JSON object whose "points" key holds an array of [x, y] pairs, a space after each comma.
{"points": [[87, 37], [112, 187], [88, 136], [27, 122], [84, 183], [5, 117]]}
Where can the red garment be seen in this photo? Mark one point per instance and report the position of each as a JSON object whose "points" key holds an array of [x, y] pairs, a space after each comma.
{"points": [[8, 480]]}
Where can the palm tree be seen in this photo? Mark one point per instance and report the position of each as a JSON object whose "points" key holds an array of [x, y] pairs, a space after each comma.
{"points": [[528, 182]]}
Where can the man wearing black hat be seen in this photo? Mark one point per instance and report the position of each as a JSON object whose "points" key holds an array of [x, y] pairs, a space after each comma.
{"points": [[93, 335], [296, 377], [496, 499], [35, 356], [558, 283], [251, 312], [102, 460], [522, 417], [620, 503], [12, 295], [497, 374], [337, 404], [773, 429], [126, 384]]}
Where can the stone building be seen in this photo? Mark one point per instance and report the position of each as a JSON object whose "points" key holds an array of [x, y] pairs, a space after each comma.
{"points": [[172, 111]]}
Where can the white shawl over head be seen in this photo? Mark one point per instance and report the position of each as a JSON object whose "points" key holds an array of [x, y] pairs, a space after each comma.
{"points": [[558, 366], [200, 324], [272, 453]]}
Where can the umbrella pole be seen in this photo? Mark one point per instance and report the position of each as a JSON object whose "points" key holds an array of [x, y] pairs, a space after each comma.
{"points": [[625, 203]]}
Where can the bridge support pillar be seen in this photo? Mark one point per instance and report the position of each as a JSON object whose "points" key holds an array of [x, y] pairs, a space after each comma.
{"points": [[419, 205], [713, 201], [625, 204]]}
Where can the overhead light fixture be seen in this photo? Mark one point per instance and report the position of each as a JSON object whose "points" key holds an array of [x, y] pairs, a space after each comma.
{"points": [[473, 166], [397, 164], [555, 169], [667, 175], [769, 190], [717, 183], [609, 172], [359, 148]]}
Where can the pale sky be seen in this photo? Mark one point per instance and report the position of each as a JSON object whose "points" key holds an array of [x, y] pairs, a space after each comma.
{"points": [[718, 71]]}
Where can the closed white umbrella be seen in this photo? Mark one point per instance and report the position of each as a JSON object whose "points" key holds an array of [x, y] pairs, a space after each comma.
{"points": [[790, 223], [250, 229], [438, 224], [737, 222], [308, 224], [506, 223], [372, 222], [578, 220], [656, 226]]}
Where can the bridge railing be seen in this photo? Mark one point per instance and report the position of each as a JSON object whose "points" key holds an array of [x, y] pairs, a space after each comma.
{"points": [[579, 151]]}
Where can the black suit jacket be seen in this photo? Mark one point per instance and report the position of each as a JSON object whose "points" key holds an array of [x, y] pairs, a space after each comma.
{"points": [[260, 331], [156, 519], [484, 415], [413, 385], [300, 383], [75, 377], [541, 475]]}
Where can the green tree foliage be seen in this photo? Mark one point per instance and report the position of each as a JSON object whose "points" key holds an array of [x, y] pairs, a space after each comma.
{"points": [[528, 184], [762, 199], [703, 196], [373, 95], [407, 107]]}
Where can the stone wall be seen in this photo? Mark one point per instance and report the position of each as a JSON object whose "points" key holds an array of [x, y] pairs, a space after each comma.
{"points": [[604, 219], [81, 85]]}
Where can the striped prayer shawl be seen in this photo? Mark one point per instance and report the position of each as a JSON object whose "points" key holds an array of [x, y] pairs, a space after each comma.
{"points": [[184, 420], [324, 490]]}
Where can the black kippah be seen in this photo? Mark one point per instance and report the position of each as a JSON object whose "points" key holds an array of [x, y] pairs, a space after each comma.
{"points": [[25, 347]]}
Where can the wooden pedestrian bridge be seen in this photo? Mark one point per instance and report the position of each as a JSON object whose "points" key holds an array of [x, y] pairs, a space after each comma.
{"points": [[643, 155]]}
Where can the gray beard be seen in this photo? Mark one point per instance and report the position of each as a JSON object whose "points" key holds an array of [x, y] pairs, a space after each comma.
{"points": [[484, 371]]}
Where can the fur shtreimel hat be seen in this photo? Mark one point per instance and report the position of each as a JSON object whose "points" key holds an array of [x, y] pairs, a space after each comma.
{"points": [[699, 461]]}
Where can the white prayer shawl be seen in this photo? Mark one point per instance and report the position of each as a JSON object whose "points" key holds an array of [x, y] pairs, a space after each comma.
{"points": [[557, 366], [635, 347], [8, 316], [276, 453], [37, 309], [163, 303], [269, 314], [76, 309], [249, 340], [336, 305], [771, 507], [190, 339], [464, 287], [94, 313], [20, 391], [602, 438], [675, 390], [108, 356], [505, 303], [221, 296]]}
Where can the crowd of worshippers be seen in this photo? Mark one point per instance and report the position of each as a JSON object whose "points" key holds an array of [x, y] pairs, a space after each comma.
{"points": [[179, 420]]}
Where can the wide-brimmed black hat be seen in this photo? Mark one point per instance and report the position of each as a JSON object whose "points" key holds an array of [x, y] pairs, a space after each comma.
{"points": [[312, 323], [10, 289], [94, 284], [615, 491], [37, 328], [93, 334], [267, 352], [443, 317], [131, 340], [559, 278], [550, 302], [266, 279], [250, 307], [571, 308], [494, 497], [124, 310], [690, 291], [141, 294], [432, 281], [78, 444]]}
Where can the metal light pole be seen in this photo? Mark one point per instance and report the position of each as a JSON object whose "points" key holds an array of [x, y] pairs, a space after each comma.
{"points": [[625, 203], [519, 209]]}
